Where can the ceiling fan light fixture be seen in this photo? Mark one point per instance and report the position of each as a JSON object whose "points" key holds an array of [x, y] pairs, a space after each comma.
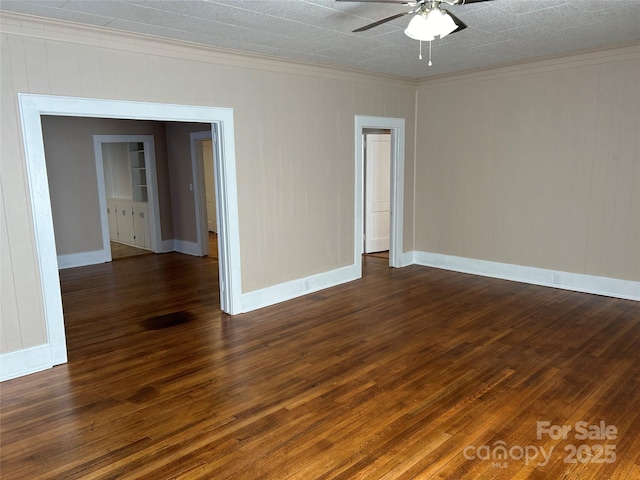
{"points": [[447, 25], [418, 29], [426, 26]]}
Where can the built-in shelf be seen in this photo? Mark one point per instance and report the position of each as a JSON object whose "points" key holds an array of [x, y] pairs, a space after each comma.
{"points": [[138, 172]]}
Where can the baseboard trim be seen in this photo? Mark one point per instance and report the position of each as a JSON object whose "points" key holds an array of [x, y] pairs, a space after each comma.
{"points": [[81, 259], [24, 362], [406, 259], [188, 248], [166, 246], [610, 287], [295, 288]]}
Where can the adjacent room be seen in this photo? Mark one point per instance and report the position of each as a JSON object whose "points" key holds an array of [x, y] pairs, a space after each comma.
{"points": [[304, 239]]}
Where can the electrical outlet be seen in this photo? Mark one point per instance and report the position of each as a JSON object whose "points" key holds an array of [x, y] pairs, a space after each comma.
{"points": [[556, 279]]}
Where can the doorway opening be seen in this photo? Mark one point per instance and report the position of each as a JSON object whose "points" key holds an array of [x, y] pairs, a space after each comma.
{"points": [[34, 107], [393, 216], [127, 183], [204, 151], [209, 190], [377, 192]]}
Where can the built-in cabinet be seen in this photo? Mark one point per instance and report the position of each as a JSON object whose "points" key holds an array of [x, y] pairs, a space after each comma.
{"points": [[127, 197], [129, 222], [138, 172]]}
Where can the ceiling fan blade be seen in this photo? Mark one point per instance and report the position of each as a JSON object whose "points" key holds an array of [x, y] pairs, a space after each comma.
{"points": [[461, 25], [380, 22]]}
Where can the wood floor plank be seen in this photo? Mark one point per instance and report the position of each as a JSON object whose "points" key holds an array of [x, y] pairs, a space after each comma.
{"points": [[392, 376]]}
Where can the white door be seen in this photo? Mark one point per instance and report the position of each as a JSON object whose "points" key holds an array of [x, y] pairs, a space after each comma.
{"points": [[209, 184], [377, 192]]}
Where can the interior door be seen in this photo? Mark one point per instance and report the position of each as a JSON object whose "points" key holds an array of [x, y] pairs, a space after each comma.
{"points": [[209, 185], [377, 192]]}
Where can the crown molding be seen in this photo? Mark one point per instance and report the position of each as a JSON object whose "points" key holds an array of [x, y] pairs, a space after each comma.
{"points": [[629, 51], [103, 37]]}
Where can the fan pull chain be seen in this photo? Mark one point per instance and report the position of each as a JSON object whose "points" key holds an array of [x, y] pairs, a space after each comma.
{"points": [[430, 62], [420, 56]]}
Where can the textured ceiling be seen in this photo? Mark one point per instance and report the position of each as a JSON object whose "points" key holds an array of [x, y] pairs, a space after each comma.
{"points": [[320, 31]]}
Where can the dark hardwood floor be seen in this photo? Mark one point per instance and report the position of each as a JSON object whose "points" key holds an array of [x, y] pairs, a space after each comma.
{"points": [[213, 245], [122, 250], [412, 373]]}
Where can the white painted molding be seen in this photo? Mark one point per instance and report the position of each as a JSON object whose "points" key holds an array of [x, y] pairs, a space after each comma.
{"points": [[95, 257], [573, 59], [25, 361], [406, 259], [102, 200], [30, 111], [152, 186], [295, 288], [610, 287], [397, 127], [32, 106], [188, 248], [81, 259], [90, 35], [199, 189], [167, 246]]}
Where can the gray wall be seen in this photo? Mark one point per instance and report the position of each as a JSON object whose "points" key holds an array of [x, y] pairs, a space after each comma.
{"points": [[181, 178], [71, 169], [535, 165]]}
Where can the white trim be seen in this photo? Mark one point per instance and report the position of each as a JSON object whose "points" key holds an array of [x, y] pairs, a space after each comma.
{"points": [[167, 246], [610, 287], [228, 217], [397, 127], [188, 248], [32, 106], [25, 361], [199, 189], [407, 258], [81, 259], [102, 201], [588, 57], [31, 110], [295, 288], [91, 35]]}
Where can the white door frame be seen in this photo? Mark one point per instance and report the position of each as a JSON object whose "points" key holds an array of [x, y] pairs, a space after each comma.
{"points": [[152, 183], [397, 127], [199, 188], [33, 106]]}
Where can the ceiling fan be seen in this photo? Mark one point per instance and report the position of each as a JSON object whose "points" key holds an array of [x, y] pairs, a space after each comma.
{"points": [[430, 21]]}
